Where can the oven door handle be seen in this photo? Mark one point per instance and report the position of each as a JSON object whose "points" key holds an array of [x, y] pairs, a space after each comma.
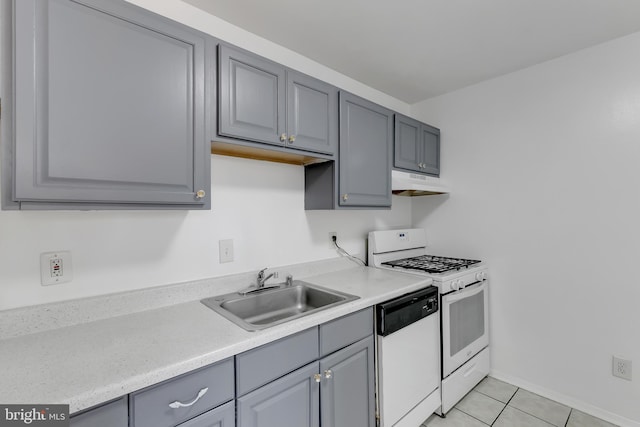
{"points": [[466, 293]]}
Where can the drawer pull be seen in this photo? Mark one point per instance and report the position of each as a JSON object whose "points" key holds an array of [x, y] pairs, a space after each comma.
{"points": [[176, 404]]}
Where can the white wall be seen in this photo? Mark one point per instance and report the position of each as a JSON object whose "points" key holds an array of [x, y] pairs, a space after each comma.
{"points": [[258, 204], [544, 165]]}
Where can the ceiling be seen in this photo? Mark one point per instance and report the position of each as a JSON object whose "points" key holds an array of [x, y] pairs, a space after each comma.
{"points": [[417, 49]]}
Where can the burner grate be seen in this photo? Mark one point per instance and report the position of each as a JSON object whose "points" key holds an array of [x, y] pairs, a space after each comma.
{"points": [[432, 264]]}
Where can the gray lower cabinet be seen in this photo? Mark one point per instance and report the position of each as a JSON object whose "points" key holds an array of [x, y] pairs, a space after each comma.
{"points": [[336, 389], [264, 102], [347, 392], [113, 414], [416, 146], [320, 377], [186, 397], [222, 416], [292, 400], [110, 108]]}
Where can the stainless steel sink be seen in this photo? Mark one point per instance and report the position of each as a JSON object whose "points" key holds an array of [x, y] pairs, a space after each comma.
{"points": [[272, 306]]}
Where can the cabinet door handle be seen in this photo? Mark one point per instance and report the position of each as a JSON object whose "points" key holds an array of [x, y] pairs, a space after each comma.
{"points": [[283, 137], [345, 197], [200, 194], [317, 377], [328, 374], [176, 404], [292, 139]]}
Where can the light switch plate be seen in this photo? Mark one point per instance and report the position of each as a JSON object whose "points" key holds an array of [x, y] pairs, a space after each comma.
{"points": [[55, 268], [225, 248]]}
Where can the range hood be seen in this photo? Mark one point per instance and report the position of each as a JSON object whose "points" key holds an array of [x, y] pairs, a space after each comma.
{"points": [[413, 184]]}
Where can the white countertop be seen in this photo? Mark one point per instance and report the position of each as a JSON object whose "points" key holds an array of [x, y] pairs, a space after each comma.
{"points": [[89, 363]]}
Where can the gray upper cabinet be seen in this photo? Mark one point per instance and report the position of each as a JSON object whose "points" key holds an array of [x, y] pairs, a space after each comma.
{"points": [[366, 139], [417, 146], [347, 392], [312, 114], [252, 97], [264, 102], [110, 107]]}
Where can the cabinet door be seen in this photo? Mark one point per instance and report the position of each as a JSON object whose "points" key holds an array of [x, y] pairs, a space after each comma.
{"points": [[366, 137], [222, 416], [431, 150], [252, 97], [110, 105], [293, 400], [407, 143], [347, 393], [114, 414], [312, 114]]}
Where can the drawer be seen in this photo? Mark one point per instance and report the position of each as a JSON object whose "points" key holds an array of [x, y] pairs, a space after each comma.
{"points": [[114, 414], [345, 330], [150, 407], [264, 364], [460, 382], [222, 416]]}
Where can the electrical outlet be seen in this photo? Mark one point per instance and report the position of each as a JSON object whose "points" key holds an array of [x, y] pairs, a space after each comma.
{"points": [[55, 268], [621, 368], [332, 234], [225, 248]]}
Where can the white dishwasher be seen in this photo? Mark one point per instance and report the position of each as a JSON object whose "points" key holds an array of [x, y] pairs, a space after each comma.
{"points": [[408, 358]]}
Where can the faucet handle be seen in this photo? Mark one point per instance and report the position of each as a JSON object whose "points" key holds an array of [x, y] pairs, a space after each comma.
{"points": [[261, 272]]}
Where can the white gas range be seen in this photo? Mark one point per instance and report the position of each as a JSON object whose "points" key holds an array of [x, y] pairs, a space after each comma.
{"points": [[463, 287]]}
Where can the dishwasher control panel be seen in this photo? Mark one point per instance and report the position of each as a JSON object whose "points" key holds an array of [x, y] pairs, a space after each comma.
{"points": [[397, 313]]}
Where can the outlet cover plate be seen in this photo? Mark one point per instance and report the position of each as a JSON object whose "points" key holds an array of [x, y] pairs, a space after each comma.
{"points": [[622, 368], [55, 268]]}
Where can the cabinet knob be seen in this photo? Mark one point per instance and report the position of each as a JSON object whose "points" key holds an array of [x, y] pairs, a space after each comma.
{"points": [[328, 373], [283, 137], [200, 194], [317, 377], [345, 197], [292, 138]]}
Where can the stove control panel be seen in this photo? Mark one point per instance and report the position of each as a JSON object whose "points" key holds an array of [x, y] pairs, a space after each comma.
{"points": [[463, 281]]}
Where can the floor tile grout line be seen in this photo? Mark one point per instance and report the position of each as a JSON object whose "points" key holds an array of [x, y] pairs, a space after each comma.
{"points": [[472, 416], [569, 417], [475, 418], [505, 405], [535, 416]]}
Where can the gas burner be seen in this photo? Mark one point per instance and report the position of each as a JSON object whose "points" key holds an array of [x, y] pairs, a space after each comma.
{"points": [[432, 264]]}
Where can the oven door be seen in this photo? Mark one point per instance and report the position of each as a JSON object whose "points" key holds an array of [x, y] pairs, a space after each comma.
{"points": [[465, 325]]}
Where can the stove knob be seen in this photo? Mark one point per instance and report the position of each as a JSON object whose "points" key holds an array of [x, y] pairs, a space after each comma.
{"points": [[461, 284], [480, 276], [454, 285]]}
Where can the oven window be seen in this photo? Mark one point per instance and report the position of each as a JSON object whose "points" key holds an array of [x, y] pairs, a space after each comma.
{"points": [[466, 320]]}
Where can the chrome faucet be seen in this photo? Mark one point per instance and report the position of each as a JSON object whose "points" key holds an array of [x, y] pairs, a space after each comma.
{"points": [[260, 283], [261, 279]]}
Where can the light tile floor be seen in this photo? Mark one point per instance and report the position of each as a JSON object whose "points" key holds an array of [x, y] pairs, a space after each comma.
{"points": [[496, 403]]}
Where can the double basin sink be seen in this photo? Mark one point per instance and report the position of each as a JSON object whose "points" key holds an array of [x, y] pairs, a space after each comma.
{"points": [[270, 306]]}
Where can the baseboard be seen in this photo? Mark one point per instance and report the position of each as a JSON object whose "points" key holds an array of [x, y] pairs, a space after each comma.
{"points": [[566, 400]]}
